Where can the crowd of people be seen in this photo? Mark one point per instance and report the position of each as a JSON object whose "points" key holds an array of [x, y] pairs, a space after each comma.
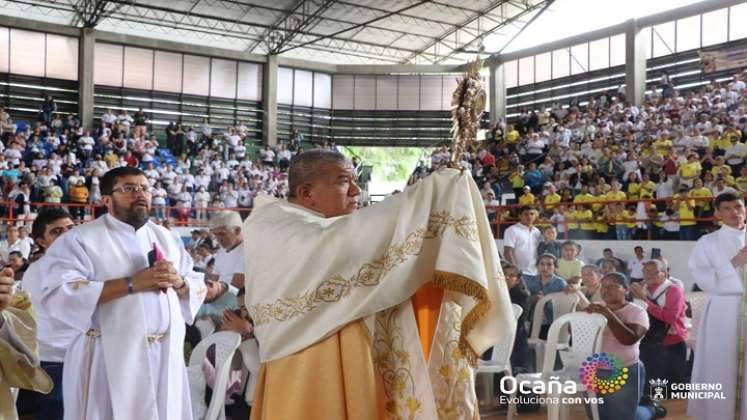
{"points": [[651, 335], [607, 169], [56, 160]]}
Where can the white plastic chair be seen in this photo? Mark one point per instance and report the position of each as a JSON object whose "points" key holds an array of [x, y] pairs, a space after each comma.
{"points": [[249, 351], [698, 302], [500, 361], [205, 326], [562, 303], [226, 343], [586, 330]]}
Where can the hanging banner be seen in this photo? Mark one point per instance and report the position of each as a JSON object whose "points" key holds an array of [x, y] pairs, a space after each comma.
{"points": [[723, 58]]}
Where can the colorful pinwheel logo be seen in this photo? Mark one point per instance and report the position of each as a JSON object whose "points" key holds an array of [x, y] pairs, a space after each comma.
{"points": [[615, 373]]}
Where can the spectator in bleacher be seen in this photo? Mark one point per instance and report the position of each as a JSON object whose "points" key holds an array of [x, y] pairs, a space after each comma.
{"points": [[125, 120], [48, 107], [13, 243], [53, 193], [635, 265], [140, 119], [229, 260], [202, 199], [22, 199], [184, 205], [533, 178], [108, 117], [490, 203], [663, 349], [527, 198], [521, 241], [79, 195], [720, 187]]}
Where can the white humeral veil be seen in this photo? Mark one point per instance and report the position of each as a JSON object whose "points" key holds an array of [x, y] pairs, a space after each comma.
{"points": [[308, 276], [112, 367]]}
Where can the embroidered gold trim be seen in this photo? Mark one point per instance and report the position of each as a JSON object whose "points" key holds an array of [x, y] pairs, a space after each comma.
{"points": [[452, 377], [463, 226], [394, 366], [335, 288]]}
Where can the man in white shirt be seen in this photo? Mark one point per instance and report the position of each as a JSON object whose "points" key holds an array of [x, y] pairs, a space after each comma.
{"points": [[125, 120], [521, 240], [229, 260], [108, 117], [635, 265], [13, 243], [54, 337]]}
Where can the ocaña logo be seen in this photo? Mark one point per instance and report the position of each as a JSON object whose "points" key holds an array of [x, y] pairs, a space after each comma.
{"points": [[607, 385]]}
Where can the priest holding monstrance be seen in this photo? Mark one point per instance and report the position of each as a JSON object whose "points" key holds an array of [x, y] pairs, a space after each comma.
{"points": [[374, 313]]}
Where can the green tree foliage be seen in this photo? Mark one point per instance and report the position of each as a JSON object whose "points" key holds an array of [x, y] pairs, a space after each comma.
{"points": [[390, 164]]}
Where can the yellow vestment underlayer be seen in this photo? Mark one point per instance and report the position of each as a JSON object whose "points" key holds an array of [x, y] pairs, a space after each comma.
{"points": [[332, 379]]}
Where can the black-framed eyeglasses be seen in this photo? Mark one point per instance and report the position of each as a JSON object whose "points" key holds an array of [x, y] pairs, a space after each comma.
{"points": [[131, 189]]}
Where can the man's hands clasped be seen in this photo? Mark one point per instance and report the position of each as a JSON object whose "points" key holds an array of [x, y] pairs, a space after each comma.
{"points": [[162, 275]]}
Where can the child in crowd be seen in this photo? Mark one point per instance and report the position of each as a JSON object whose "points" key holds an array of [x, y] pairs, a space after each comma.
{"points": [[569, 265], [549, 244]]}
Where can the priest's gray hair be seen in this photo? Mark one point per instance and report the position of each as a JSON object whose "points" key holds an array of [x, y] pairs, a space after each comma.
{"points": [[227, 218], [307, 167]]}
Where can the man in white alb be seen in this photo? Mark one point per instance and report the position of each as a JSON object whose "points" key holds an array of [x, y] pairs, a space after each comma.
{"points": [[521, 240], [229, 260], [717, 264], [127, 286]]}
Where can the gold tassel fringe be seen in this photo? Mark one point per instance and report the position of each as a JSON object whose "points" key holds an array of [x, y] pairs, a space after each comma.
{"points": [[466, 286]]}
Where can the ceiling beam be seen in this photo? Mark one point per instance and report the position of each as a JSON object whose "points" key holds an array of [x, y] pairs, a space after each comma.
{"points": [[329, 18], [285, 15], [376, 19], [297, 27], [140, 7], [454, 30], [407, 15], [542, 5]]}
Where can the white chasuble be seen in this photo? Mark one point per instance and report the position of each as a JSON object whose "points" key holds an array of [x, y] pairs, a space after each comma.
{"points": [[127, 360], [716, 348], [308, 276]]}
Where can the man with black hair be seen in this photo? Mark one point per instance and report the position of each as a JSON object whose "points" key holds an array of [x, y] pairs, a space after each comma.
{"points": [[521, 240], [717, 263], [127, 287], [54, 337]]}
